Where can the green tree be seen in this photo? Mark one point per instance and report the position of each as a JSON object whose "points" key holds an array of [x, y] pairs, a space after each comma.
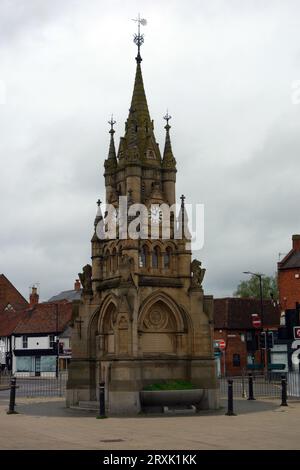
{"points": [[250, 288]]}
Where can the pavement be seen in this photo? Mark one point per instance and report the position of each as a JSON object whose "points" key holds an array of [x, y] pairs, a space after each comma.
{"points": [[45, 423]]}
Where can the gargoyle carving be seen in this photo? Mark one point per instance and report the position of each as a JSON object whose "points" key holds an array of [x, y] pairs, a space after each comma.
{"points": [[86, 279], [197, 273]]}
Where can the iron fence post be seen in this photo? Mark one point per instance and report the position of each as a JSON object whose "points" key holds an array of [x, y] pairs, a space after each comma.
{"points": [[283, 391], [244, 395], [251, 395], [102, 400], [59, 385], [230, 399], [12, 396]]}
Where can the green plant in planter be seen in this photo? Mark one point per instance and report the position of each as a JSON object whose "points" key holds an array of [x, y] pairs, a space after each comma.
{"points": [[170, 385]]}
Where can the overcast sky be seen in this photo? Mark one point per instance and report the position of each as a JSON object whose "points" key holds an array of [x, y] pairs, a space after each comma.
{"points": [[225, 70]]}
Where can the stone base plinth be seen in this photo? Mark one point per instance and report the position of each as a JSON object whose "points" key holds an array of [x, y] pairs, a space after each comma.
{"points": [[126, 378]]}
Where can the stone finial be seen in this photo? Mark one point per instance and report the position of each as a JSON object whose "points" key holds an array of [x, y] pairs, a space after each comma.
{"points": [[168, 157]]}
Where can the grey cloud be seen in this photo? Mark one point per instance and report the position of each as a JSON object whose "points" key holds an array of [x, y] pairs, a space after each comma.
{"points": [[223, 68]]}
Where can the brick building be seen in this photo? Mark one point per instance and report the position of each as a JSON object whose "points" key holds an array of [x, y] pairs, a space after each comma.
{"points": [[37, 335], [233, 323], [12, 305], [29, 331], [289, 277]]}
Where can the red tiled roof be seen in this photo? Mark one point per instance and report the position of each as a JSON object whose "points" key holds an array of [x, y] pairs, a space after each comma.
{"points": [[290, 261], [9, 319], [236, 313], [9, 295], [41, 318], [47, 317]]}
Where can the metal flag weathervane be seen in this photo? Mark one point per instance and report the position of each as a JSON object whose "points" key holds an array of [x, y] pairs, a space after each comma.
{"points": [[112, 122], [167, 118], [139, 38]]}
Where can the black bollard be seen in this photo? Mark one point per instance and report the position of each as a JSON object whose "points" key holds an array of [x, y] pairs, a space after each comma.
{"points": [[230, 399], [102, 400], [12, 397], [283, 391], [251, 395]]}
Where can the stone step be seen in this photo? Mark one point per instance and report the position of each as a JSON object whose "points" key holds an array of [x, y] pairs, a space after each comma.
{"points": [[86, 410], [89, 405], [188, 410]]}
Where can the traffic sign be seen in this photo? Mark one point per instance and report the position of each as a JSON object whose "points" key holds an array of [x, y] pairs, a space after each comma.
{"points": [[256, 321], [296, 332], [220, 343]]}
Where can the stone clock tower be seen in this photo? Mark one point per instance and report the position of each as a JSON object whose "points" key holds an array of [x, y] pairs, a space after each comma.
{"points": [[143, 317]]}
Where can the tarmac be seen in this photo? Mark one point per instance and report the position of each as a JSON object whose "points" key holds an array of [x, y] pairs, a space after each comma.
{"points": [[45, 423]]}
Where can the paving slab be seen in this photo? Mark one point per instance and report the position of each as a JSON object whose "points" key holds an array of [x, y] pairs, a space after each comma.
{"points": [[45, 423]]}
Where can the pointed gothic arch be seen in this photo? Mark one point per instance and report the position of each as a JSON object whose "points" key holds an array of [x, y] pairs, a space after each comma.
{"points": [[165, 299], [162, 327]]}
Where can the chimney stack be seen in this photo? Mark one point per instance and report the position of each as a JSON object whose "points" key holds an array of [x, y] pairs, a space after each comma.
{"points": [[296, 242], [34, 297], [77, 285]]}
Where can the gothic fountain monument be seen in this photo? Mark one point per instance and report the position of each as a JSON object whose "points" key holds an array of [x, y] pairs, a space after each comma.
{"points": [[143, 317]]}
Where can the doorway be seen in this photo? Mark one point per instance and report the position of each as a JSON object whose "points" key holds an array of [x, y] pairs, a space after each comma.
{"points": [[37, 367]]}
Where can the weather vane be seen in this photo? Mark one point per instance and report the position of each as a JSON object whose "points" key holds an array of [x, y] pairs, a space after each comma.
{"points": [[167, 118], [139, 38], [112, 122]]}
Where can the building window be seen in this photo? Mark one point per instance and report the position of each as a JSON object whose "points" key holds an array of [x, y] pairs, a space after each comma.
{"points": [[24, 342], [155, 257], [114, 260], [143, 257], [236, 360], [52, 341], [250, 359], [167, 258], [24, 364], [107, 261]]}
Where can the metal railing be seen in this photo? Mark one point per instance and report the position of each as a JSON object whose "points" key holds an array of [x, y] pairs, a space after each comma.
{"points": [[263, 386], [44, 386]]}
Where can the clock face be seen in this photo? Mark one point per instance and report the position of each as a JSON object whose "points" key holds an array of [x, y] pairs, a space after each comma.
{"points": [[155, 215]]}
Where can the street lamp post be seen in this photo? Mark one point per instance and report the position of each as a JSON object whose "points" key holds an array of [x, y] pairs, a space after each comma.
{"points": [[259, 276]]}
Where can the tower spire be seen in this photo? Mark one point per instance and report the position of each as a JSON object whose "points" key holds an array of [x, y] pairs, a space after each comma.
{"points": [[139, 106], [139, 142], [139, 110], [168, 157], [112, 149], [111, 161]]}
